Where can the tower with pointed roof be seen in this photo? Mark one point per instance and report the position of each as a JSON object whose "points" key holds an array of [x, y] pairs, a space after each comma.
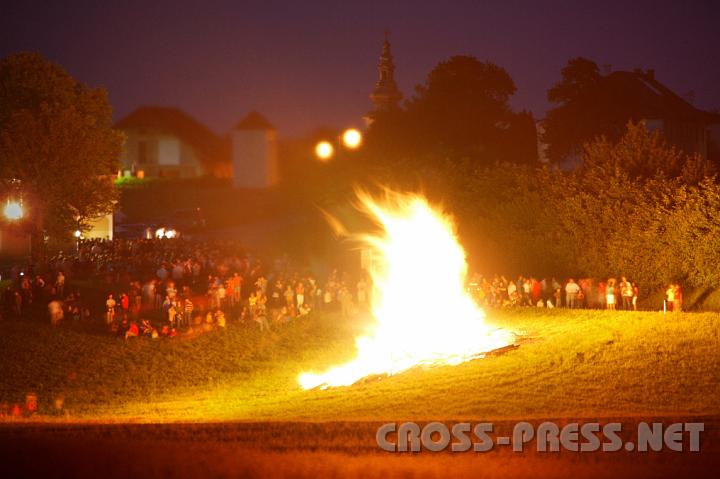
{"points": [[386, 94], [254, 152]]}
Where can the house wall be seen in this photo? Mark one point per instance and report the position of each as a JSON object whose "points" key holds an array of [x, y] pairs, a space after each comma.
{"points": [[254, 157], [541, 145], [688, 136], [13, 242], [159, 155], [101, 228]]}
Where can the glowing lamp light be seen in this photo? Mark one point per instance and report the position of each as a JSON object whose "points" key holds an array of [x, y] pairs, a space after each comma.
{"points": [[352, 138], [166, 233], [77, 234], [13, 210], [324, 150]]}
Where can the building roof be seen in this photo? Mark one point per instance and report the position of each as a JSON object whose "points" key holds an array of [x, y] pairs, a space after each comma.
{"points": [[254, 121], [176, 122], [639, 92]]}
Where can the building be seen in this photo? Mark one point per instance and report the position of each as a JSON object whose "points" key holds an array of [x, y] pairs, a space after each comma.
{"points": [[101, 228], [621, 96], [254, 152], [14, 242], [169, 143], [386, 95], [166, 142], [640, 94]]}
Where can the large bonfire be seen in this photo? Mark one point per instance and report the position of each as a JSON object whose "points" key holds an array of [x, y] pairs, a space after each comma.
{"points": [[423, 312]]}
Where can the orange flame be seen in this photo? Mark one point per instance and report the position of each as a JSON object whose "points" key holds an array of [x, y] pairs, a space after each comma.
{"points": [[423, 313]]}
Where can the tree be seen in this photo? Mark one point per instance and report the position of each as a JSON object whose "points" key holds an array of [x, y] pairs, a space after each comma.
{"points": [[578, 76], [566, 127], [463, 106], [57, 143], [461, 112], [641, 155]]}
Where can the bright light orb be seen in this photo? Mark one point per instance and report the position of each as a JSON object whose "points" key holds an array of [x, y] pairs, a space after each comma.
{"points": [[352, 138], [77, 233], [13, 210], [166, 233], [324, 150]]}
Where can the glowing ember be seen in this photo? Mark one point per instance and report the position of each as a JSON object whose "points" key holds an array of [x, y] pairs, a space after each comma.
{"points": [[424, 314]]}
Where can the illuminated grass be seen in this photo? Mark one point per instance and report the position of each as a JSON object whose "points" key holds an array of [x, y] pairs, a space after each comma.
{"points": [[580, 364]]}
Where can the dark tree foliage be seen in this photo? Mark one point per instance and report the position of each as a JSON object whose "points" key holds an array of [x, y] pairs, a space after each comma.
{"points": [[567, 126], [636, 207], [579, 75], [462, 112], [642, 155], [56, 143]]}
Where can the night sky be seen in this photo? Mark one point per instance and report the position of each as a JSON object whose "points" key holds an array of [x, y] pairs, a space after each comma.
{"points": [[306, 64]]}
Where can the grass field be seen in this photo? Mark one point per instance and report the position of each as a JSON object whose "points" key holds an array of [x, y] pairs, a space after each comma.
{"points": [[575, 364]]}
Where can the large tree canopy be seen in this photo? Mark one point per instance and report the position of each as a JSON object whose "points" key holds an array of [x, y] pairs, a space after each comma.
{"points": [[461, 111], [57, 143], [643, 155], [636, 207], [567, 125], [578, 76]]}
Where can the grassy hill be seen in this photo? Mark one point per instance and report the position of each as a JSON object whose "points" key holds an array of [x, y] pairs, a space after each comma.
{"points": [[577, 363]]}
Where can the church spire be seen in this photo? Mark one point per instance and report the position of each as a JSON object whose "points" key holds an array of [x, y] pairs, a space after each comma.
{"points": [[386, 94]]}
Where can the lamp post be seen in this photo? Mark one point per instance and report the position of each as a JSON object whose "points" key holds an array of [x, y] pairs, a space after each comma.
{"points": [[78, 235]]}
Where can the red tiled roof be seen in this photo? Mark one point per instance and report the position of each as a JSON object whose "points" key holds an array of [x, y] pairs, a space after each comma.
{"points": [[254, 121], [176, 122], [640, 93]]}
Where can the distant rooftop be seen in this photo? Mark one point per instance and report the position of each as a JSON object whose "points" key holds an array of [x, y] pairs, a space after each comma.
{"points": [[178, 123], [254, 121], [640, 92]]}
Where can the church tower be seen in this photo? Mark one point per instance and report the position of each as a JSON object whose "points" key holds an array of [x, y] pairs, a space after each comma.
{"points": [[386, 94]]}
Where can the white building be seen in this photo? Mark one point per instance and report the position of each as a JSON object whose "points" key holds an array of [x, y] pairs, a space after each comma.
{"points": [[169, 143], [254, 150]]}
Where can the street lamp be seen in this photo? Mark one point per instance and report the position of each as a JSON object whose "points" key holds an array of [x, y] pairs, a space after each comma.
{"points": [[78, 236], [324, 150], [352, 138], [13, 210]]}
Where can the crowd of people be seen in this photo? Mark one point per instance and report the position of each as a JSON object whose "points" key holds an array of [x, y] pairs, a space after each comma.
{"points": [[166, 287], [610, 294]]}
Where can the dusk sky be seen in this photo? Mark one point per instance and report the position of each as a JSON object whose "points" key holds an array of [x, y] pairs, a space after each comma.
{"points": [[306, 64]]}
